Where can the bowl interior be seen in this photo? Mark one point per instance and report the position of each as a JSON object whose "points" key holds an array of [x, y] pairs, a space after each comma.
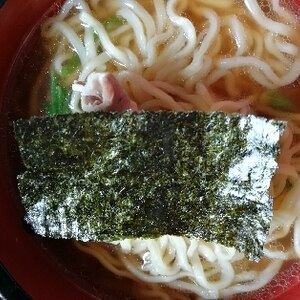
{"points": [[37, 263]]}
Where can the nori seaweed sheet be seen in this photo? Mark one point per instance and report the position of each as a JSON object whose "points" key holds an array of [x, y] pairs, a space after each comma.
{"points": [[111, 176]]}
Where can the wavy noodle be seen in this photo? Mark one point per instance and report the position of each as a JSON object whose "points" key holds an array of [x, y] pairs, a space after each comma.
{"points": [[74, 40], [160, 15], [265, 68], [287, 48], [217, 4], [271, 46], [193, 55], [143, 15], [206, 43], [104, 38], [186, 27], [283, 12], [89, 42], [264, 21], [137, 27]]}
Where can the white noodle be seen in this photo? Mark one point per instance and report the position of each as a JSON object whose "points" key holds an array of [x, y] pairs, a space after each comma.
{"points": [[264, 21], [194, 288], [204, 249], [137, 27], [283, 12], [287, 48], [143, 15], [217, 4], [297, 236], [194, 100], [239, 35], [188, 30], [226, 275], [242, 61], [171, 47], [281, 224], [73, 39], [161, 15], [120, 30], [271, 46], [104, 38], [260, 77], [75, 102], [170, 70], [277, 254], [95, 64], [89, 43], [59, 61], [215, 76], [154, 43], [133, 61], [261, 279], [180, 250], [205, 44], [149, 88], [192, 82]]}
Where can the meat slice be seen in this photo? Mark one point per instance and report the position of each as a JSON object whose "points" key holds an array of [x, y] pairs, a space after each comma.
{"points": [[102, 92]]}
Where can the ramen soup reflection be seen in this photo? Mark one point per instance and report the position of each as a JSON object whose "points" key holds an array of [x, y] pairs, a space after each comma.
{"points": [[225, 55]]}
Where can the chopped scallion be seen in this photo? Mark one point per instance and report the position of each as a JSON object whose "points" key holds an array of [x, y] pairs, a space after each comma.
{"points": [[112, 23], [277, 100], [59, 97]]}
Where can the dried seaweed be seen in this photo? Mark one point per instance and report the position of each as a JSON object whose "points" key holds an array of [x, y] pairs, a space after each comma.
{"points": [[110, 176]]}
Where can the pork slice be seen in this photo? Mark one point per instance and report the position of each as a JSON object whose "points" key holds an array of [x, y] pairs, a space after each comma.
{"points": [[103, 92]]}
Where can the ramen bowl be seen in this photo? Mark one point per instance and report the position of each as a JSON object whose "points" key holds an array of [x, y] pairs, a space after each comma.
{"points": [[45, 268]]}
